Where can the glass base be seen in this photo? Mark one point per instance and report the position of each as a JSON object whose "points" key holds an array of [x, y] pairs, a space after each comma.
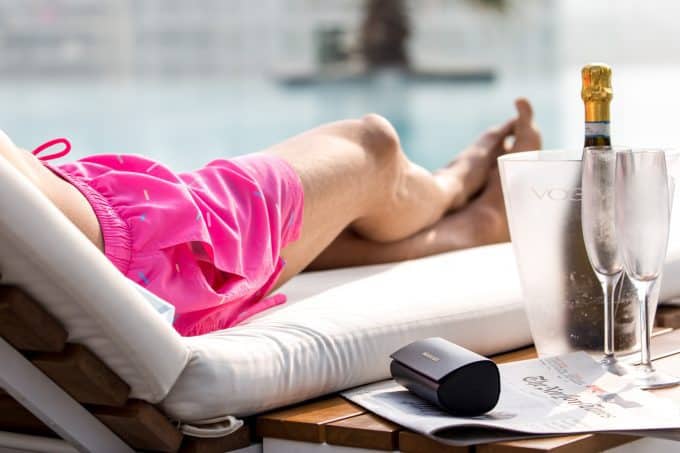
{"points": [[650, 379], [611, 365]]}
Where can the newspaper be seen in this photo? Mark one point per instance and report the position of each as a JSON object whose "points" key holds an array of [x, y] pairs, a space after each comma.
{"points": [[560, 395]]}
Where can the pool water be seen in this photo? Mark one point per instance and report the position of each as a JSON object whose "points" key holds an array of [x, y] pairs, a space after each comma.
{"points": [[189, 122], [186, 123]]}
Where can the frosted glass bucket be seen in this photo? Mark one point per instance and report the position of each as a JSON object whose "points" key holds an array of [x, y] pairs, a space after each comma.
{"points": [[563, 298]]}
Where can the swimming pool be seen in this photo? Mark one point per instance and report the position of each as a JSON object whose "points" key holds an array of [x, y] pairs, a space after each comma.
{"points": [[185, 123]]}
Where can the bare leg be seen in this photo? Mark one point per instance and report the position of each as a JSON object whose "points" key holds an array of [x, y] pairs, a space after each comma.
{"points": [[64, 196], [481, 222], [355, 175]]}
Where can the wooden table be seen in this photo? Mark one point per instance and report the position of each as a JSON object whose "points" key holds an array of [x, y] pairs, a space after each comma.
{"points": [[335, 422]]}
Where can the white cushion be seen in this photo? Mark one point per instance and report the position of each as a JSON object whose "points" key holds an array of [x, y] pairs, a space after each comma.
{"points": [[165, 309], [339, 327], [42, 252]]}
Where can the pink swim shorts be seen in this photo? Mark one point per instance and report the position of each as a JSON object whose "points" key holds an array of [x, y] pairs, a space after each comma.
{"points": [[207, 241]]}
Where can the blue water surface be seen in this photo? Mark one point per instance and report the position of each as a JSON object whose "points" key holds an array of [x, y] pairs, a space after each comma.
{"points": [[185, 123]]}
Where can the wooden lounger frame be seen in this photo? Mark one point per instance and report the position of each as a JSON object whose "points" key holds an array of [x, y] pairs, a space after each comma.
{"points": [[66, 391], [35, 351]]}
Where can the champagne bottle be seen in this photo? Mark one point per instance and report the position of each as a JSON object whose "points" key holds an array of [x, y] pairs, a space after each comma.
{"points": [[596, 92], [585, 304]]}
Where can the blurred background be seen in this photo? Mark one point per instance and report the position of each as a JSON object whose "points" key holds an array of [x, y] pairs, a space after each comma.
{"points": [[188, 81]]}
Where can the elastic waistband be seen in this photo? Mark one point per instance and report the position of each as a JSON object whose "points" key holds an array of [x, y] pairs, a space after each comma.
{"points": [[115, 231]]}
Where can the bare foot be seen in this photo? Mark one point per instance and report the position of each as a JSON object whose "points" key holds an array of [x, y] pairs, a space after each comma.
{"points": [[467, 174], [526, 134], [491, 204], [481, 222]]}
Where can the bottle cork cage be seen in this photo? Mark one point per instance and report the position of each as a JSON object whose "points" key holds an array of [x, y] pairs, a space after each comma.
{"points": [[42, 340]]}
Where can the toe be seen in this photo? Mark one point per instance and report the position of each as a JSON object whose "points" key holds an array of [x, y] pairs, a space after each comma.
{"points": [[524, 111], [527, 136]]}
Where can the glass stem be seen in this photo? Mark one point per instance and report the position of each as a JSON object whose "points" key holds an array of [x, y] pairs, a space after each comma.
{"points": [[644, 288], [609, 289]]}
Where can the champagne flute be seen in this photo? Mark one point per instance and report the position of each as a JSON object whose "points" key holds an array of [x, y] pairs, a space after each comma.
{"points": [[642, 225], [599, 235]]}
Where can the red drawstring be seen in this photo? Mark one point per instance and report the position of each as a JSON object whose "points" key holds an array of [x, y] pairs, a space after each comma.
{"points": [[51, 143]]}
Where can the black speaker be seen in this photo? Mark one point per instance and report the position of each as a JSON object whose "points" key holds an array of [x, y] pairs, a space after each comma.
{"points": [[457, 380]]}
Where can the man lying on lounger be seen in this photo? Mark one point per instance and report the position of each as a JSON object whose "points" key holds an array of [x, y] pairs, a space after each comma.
{"points": [[216, 241]]}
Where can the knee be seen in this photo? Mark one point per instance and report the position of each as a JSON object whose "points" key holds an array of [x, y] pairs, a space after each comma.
{"points": [[380, 141], [378, 136], [380, 161]]}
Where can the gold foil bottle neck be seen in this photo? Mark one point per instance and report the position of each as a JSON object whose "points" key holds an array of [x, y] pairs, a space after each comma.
{"points": [[597, 83], [596, 91]]}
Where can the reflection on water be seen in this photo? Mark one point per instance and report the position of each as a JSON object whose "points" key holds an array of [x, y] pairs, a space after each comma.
{"points": [[185, 123]]}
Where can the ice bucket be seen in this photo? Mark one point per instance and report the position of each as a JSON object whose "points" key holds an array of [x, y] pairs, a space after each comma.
{"points": [[563, 298]]}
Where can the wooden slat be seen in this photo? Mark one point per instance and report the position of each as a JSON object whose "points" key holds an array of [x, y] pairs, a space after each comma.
{"points": [[234, 441], [530, 352], [15, 418], [670, 365], [659, 330], [27, 326], [306, 423], [410, 442], [566, 444], [516, 355], [83, 376], [363, 431], [665, 342], [141, 426], [668, 316]]}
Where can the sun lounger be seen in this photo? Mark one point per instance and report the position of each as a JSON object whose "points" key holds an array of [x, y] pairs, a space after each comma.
{"points": [[85, 353]]}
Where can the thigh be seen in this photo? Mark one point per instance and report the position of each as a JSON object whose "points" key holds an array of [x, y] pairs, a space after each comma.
{"points": [[339, 180]]}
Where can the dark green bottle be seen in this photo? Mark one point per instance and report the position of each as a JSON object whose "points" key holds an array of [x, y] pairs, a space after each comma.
{"points": [[585, 301]]}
